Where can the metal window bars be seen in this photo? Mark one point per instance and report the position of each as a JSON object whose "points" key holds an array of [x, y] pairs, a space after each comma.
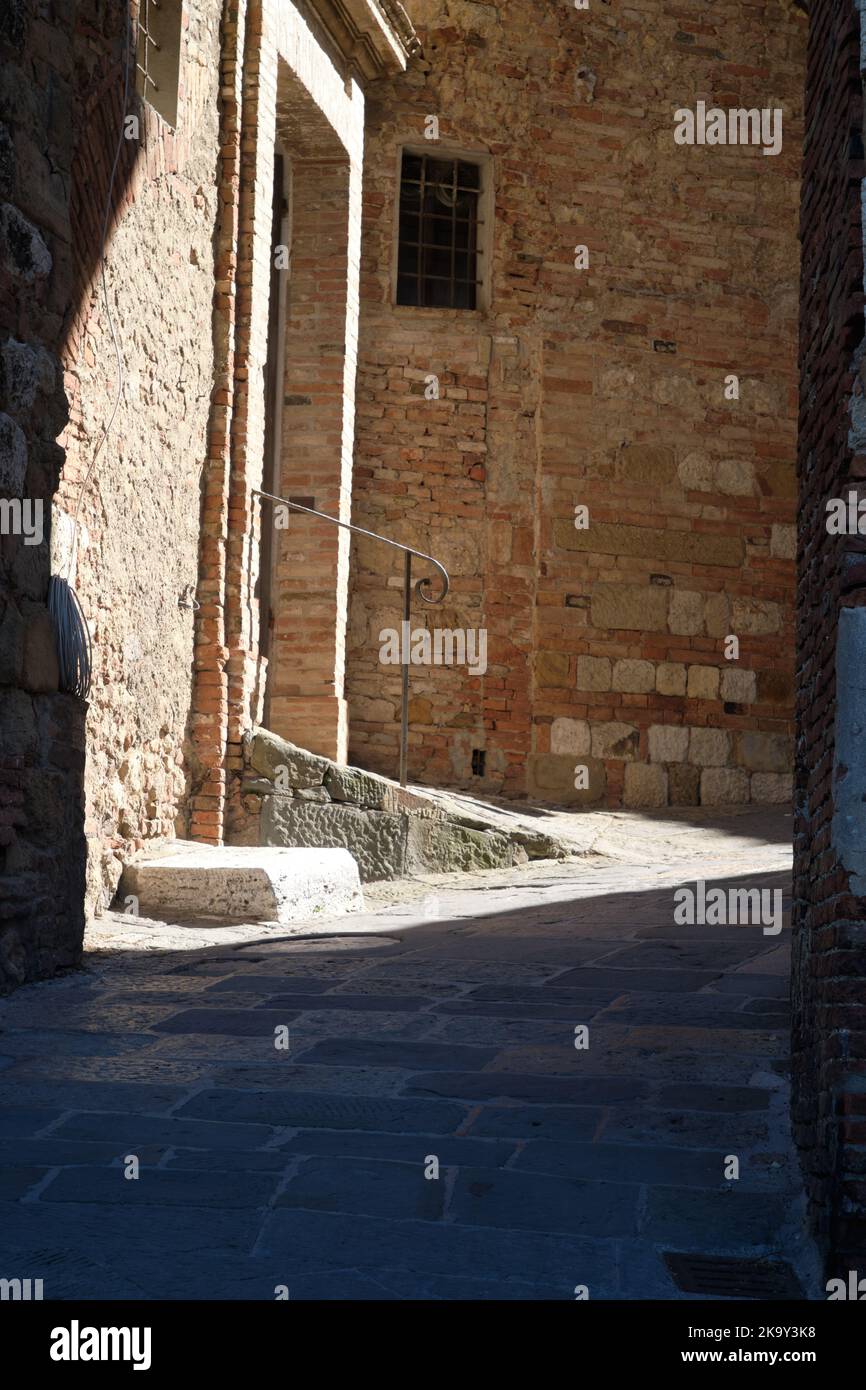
{"points": [[420, 584], [438, 251], [146, 42]]}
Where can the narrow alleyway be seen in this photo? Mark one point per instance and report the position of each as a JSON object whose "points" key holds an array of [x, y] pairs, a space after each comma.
{"points": [[442, 1027]]}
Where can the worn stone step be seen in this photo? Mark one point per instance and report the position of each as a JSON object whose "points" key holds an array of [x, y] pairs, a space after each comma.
{"points": [[250, 883]]}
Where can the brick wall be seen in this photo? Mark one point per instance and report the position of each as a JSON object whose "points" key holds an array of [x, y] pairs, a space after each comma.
{"points": [[602, 387], [829, 916]]}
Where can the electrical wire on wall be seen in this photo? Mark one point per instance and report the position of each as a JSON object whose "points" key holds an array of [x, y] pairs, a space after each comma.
{"points": [[74, 646]]}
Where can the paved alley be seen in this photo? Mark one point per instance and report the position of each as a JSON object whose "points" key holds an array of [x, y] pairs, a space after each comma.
{"points": [[525, 1084]]}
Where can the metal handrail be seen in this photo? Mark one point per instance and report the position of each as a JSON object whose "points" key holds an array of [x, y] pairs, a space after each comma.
{"points": [[408, 552]]}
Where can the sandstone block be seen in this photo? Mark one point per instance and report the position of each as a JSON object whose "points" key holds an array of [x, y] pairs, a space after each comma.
{"points": [[739, 686], [686, 612], [709, 747], [684, 785], [633, 677], [774, 787], [755, 616], [671, 678], [268, 754], [570, 736], [645, 785], [551, 776], [703, 683], [551, 668], [724, 786], [442, 847], [245, 882], [374, 839], [783, 542], [593, 673], [760, 752], [775, 687], [668, 743], [630, 607], [717, 615], [614, 740]]}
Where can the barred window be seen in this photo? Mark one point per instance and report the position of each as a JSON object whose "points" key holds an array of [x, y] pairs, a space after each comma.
{"points": [[157, 55], [438, 256]]}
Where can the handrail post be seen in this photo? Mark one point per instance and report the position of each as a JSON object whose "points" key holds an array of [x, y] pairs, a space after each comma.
{"points": [[420, 587], [404, 654]]}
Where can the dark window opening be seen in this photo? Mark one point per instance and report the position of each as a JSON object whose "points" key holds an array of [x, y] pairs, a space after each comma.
{"points": [[478, 759], [437, 257]]}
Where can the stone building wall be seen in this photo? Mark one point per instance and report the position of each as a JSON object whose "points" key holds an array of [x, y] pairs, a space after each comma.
{"points": [[42, 852], [829, 918], [136, 566], [601, 387]]}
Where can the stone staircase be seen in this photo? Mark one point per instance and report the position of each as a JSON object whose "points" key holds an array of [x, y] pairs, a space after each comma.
{"points": [[294, 798]]}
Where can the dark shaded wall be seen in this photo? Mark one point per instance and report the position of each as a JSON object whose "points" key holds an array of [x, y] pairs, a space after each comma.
{"points": [[41, 730], [830, 892]]}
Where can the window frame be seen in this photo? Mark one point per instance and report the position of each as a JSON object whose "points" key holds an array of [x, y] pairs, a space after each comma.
{"points": [[445, 149]]}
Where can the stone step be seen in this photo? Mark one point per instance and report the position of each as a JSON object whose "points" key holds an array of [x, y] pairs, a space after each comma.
{"points": [[246, 883], [294, 797]]}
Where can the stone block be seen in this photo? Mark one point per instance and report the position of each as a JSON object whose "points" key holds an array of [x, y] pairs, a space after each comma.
{"points": [[645, 463], [735, 477], [550, 777], [684, 785], [761, 752], [614, 740], [724, 786], [551, 668], [249, 883], [645, 785], [783, 542], [650, 542], [739, 686], [775, 688], [671, 678], [686, 613], [593, 673], [717, 615], [375, 839], [772, 787], [703, 683], [351, 784], [570, 736], [629, 607], [668, 743], [633, 677], [442, 847], [268, 754], [755, 617], [709, 747]]}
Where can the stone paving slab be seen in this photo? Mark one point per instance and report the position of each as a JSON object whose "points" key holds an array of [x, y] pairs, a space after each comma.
{"points": [[441, 1026]]}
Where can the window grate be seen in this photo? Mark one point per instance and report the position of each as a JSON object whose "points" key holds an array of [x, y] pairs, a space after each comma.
{"points": [[146, 46], [159, 29], [438, 252]]}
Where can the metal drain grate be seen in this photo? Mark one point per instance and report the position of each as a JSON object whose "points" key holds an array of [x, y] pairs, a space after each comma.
{"points": [[721, 1276]]}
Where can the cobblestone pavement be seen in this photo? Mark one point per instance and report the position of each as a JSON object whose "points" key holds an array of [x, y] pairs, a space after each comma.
{"points": [[435, 1031]]}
